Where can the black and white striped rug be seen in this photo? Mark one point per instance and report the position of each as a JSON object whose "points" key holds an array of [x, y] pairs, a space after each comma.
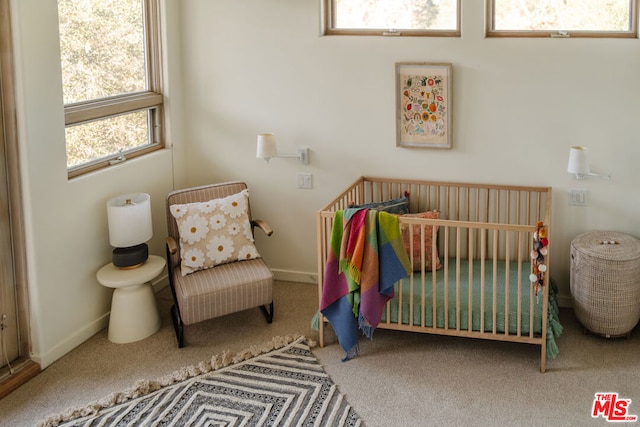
{"points": [[282, 385]]}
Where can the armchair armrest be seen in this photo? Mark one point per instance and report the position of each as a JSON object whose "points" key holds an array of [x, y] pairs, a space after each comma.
{"points": [[172, 246], [263, 226]]}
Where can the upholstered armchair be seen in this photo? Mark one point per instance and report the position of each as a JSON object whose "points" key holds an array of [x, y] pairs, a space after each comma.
{"points": [[214, 268]]}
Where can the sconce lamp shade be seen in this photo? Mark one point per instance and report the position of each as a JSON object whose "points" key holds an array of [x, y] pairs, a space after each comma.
{"points": [[267, 149], [578, 161], [266, 146], [130, 227]]}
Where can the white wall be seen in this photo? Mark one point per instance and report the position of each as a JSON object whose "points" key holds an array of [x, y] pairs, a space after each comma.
{"points": [[66, 224], [519, 104], [253, 66]]}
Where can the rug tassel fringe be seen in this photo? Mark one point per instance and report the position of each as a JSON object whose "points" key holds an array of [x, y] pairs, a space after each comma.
{"points": [[143, 387]]}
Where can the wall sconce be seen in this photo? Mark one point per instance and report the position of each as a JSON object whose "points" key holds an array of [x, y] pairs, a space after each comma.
{"points": [[579, 164], [130, 227], [267, 149]]}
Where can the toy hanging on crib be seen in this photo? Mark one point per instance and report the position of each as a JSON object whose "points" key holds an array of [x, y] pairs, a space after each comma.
{"points": [[538, 257]]}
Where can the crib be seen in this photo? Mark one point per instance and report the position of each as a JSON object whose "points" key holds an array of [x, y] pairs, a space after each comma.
{"points": [[472, 260]]}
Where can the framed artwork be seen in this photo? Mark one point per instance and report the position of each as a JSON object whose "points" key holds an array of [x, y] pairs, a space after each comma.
{"points": [[423, 105]]}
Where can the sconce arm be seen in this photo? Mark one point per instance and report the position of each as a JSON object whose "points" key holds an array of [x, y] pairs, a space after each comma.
{"points": [[591, 175]]}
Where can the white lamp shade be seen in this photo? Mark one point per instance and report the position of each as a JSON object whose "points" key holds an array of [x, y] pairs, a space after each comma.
{"points": [[266, 146], [578, 160], [129, 220]]}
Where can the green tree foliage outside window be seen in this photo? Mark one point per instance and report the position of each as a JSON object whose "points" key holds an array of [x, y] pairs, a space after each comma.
{"points": [[565, 15], [395, 14], [104, 59], [102, 48]]}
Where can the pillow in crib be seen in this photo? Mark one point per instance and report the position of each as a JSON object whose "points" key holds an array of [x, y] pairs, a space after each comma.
{"points": [[214, 232], [428, 240], [399, 206]]}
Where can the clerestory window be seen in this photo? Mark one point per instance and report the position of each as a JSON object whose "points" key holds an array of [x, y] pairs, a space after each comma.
{"points": [[439, 18], [566, 18]]}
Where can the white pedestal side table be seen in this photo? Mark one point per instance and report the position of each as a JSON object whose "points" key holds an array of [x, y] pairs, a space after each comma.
{"points": [[134, 312]]}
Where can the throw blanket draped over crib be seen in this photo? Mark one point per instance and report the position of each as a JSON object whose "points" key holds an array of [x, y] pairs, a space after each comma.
{"points": [[367, 257]]}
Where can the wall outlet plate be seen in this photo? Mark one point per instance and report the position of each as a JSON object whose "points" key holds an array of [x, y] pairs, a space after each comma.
{"points": [[305, 180], [578, 197]]}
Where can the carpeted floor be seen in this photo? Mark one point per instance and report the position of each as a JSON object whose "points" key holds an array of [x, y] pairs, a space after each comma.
{"points": [[279, 383], [398, 379]]}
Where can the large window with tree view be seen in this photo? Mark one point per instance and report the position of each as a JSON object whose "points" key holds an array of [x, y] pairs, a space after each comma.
{"points": [[110, 79]]}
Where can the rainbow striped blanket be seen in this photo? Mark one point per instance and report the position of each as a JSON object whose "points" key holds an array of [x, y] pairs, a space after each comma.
{"points": [[366, 259]]}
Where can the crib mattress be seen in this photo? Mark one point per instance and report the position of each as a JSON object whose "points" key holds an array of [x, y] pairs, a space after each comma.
{"points": [[509, 292]]}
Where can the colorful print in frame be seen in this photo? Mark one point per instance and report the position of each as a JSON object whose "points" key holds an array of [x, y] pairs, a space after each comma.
{"points": [[423, 104]]}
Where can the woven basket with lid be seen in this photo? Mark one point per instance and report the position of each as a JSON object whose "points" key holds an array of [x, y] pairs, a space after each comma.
{"points": [[605, 282]]}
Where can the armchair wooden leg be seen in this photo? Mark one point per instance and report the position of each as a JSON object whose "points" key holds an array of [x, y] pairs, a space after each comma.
{"points": [[268, 312], [178, 326]]}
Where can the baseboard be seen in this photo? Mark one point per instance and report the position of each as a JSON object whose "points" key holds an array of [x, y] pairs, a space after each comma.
{"points": [[86, 332], [22, 371], [72, 342], [160, 283], [565, 301], [294, 276], [306, 277]]}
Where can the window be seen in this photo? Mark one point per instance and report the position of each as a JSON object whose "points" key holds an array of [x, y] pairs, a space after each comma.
{"points": [[567, 18], [392, 17], [111, 81]]}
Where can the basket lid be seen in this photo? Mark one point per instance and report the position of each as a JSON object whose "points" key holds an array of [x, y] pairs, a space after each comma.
{"points": [[609, 245]]}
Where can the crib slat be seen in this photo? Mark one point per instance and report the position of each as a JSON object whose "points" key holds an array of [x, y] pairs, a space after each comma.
{"points": [[446, 278], [434, 274], [458, 260], [470, 281], [507, 283], [531, 302], [483, 259], [495, 281], [520, 278]]}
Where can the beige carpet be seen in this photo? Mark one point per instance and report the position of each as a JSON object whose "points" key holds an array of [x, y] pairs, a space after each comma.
{"points": [[399, 378], [277, 383]]}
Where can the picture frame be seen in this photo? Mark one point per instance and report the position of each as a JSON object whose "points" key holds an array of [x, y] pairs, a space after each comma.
{"points": [[424, 105]]}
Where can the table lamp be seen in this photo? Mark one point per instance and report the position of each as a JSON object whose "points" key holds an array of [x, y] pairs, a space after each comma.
{"points": [[130, 228]]}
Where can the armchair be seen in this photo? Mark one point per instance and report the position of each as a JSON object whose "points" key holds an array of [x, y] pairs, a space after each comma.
{"points": [[200, 291]]}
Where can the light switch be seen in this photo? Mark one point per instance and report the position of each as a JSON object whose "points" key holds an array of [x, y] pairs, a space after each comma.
{"points": [[305, 180], [578, 197]]}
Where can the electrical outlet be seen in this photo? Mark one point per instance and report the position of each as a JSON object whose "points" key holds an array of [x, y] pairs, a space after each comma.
{"points": [[578, 197], [305, 180]]}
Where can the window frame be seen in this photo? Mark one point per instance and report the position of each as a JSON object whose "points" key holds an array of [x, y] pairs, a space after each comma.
{"points": [[631, 33], [329, 19], [150, 100]]}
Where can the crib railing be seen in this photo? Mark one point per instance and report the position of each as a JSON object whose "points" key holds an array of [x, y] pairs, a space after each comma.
{"points": [[485, 223], [512, 283]]}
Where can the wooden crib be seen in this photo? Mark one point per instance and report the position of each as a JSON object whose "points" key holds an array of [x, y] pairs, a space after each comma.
{"points": [[483, 239]]}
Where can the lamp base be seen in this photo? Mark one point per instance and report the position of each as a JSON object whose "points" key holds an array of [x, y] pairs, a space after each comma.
{"points": [[131, 257]]}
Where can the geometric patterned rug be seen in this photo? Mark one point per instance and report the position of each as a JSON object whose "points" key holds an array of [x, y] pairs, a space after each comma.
{"points": [[279, 384]]}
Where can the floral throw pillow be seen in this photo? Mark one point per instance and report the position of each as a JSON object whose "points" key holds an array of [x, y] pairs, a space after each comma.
{"points": [[428, 239], [214, 232]]}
